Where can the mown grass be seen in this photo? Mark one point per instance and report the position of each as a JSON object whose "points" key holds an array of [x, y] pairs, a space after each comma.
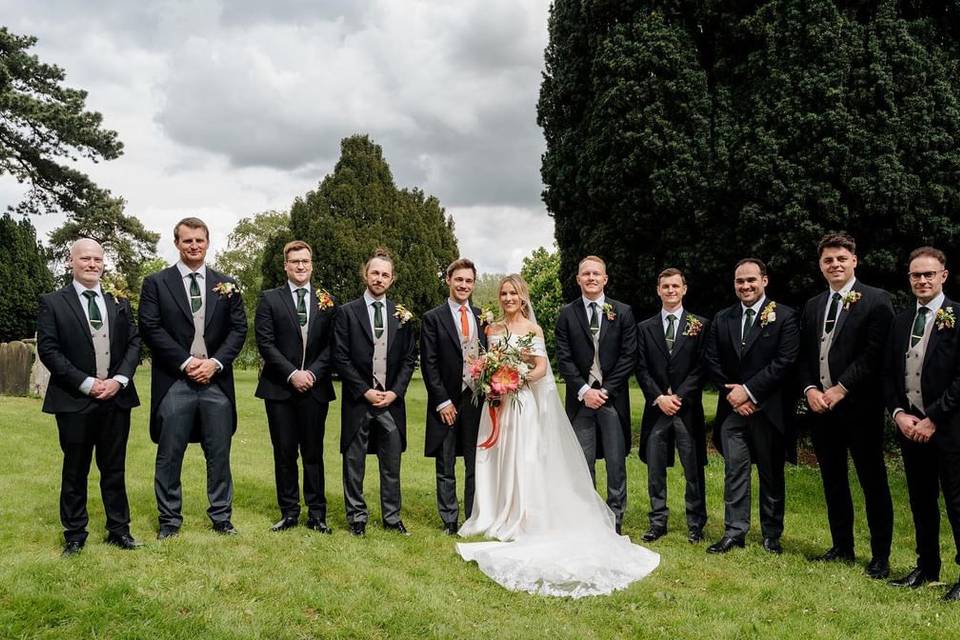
{"points": [[299, 584]]}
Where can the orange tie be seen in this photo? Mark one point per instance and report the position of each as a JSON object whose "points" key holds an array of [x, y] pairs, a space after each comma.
{"points": [[464, 325]]}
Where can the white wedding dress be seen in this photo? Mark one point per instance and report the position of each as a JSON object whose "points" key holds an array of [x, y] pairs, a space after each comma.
{"points": [[535, 495]]}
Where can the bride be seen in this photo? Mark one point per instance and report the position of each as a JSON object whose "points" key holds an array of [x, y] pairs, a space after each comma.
{"points": [[534, 492]]}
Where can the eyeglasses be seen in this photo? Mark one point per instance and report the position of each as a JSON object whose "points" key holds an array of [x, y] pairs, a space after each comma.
{"points": [[917, 276], [299, 263]]}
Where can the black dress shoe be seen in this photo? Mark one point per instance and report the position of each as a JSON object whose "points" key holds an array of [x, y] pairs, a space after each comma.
{"points": [[167, 532], [953, 595], [916, 578], [695, 535], [72, 548], [225, 528], [123, 541], [878, 569], [772, 545], [450, 529], [725, 544], [358, 529], [836, 554], [318, 525], [288, 522], [653, 533], [397, 527], [618, 528]]}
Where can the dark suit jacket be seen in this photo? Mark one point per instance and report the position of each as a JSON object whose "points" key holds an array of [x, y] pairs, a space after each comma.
{"points": [[281, 344], [441, 363], [353, 359], [856, 354], [764, 366], [65, 347], [166, 324], [618, 350], [682, 371], [939, 377]]}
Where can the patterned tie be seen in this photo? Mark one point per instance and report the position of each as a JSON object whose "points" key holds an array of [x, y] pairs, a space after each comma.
{"points": [[832, 313], [747, 325], [196, 300], [377, 318], [671, 331], [919, 326], [93, 311], [464, 324], [594, 319], [301, 306]]}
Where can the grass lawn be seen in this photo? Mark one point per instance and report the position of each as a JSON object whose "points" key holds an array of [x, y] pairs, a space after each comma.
{"points": [[299, 584]]}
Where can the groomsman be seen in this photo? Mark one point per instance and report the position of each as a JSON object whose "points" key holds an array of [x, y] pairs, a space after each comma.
{"points": [[751, 349], [375, 352], [293, 328], [671, 375], [450, 336], [192, 319], [842, 341], [90, 344], [596, 353], [922, 385]]}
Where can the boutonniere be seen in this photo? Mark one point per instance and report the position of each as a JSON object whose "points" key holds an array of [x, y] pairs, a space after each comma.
{"points": [[609, 312], [402, 314], [945, 318], [693, 328], [325, 300], [119, 293], [487, 316], [769, 314], [852, 298], [226, 289]]}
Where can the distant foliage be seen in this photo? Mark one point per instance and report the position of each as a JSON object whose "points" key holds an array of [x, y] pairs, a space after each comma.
{"points": [[24, 276], [540, 271]]}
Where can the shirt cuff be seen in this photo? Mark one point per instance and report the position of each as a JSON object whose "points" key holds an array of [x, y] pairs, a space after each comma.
{"points": [[582, 391], [291, 374], [845, 390], [123, 380], [750, 395], [896, 411], [185, 363], [86, 385], [807, 388], [219, 364], [443, 405]]}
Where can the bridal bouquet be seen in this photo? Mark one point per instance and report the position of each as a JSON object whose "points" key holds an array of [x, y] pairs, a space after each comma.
{"points": [[498, 373]]}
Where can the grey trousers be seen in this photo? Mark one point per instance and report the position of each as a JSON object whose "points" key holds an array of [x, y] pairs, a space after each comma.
{"points": [[604, 423], [665, 430], [389, 447], [446, 464], [185, 405]]}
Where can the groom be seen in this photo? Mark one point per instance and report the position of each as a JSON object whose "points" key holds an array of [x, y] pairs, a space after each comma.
{"points": [[451, 336], [596, 348]]}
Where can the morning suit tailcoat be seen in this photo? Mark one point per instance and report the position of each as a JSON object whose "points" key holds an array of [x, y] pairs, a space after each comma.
{"points": [[65, 347], [281, 345], [575, 351], [764, 364], [681, 371], [166, 324], [441, 363], [353, 360]]}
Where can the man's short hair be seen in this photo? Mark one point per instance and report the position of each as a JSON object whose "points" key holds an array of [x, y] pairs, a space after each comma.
{"points": [[592, 258], [462, 263], [669, 272], [757, 261], [191, 223], [296, 245], [380, 253], [929, 252], [838, 240]]}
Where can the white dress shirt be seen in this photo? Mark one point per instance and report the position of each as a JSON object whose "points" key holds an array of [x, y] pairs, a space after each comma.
{"points": [[369, 300], [306, 303], [676, 313], [471, 321], [185, 272], [87, 383], [757, 308], [586, 305]]}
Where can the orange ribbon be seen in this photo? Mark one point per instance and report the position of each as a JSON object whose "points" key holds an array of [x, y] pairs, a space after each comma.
{"points": [[495, 431]]}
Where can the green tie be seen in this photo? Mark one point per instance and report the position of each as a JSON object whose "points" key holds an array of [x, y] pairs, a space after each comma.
{"points": [[196, 301], [832, 313], [671, 331], [747, 325], [93, 311], [377, 318], [594, 319], [301, 306], [919, 326]]}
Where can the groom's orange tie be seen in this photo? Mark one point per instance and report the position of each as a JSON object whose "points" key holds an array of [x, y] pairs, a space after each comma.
{"points": [[464, 325]]}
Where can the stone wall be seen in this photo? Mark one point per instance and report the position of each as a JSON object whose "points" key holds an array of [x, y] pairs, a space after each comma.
{"points": [[21, 372]]}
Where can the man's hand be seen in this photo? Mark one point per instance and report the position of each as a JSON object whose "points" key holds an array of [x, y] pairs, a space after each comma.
{"points": [[108, 388], [737, 395], [669, 405], [373, 396], [448, 415], [386, 399], [201, 371], [816, 402], [924, 430], [907, 424], [302, 380], [834, 395], [746, 408], [594, 398]]}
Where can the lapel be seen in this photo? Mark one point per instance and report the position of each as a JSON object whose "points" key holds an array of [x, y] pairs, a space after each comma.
{"points": [[935, 334], [313, 310], [360, 316], [660, 337], [846, 312], [604, 321], [756, 330], [679, 339], [112, 310], [481, 336], [451, 327], [213, 298], [286, 299], [171, 278], [580, 311], [734, 323], [73, 302], [821, 307], [393, 324]]}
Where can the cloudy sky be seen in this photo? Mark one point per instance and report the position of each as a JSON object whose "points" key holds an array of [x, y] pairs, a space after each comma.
{"points": [[231, 107]]}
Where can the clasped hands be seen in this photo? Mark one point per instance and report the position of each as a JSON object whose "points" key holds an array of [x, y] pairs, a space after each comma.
{"points": [[380, 399], [823, 401], [201, 370], [669, 404], [914, 428], [740, 400], [594, 398], [104, 389]]}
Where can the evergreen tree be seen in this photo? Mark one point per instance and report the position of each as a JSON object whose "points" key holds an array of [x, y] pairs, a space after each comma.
{"points": [[24, 276]]}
